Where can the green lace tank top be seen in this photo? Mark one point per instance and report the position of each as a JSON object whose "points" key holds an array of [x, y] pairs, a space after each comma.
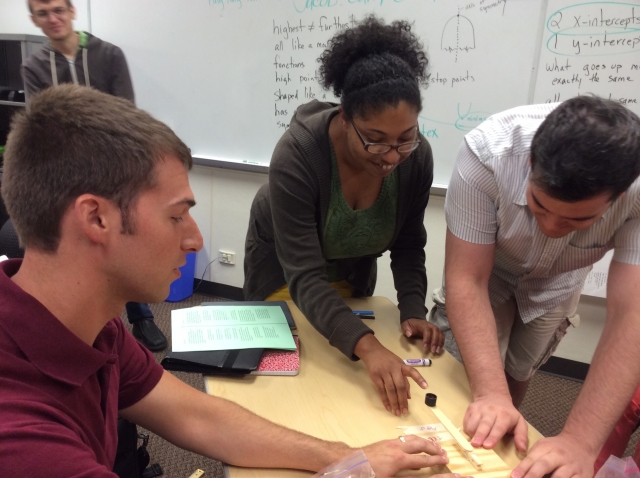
{"points": [[349, 233]]}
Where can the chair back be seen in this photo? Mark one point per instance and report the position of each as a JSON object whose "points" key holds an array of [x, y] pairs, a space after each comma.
{"points": [[9, 242]]}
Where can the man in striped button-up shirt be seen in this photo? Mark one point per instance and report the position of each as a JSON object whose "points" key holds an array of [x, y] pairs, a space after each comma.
{"points": [[539, 194]]}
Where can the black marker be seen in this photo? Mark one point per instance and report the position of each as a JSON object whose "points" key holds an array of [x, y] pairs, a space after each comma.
{"points": [[364, 314]]}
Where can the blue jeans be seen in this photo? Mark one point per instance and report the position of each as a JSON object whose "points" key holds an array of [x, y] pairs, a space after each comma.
{"points": [[137, 311]]}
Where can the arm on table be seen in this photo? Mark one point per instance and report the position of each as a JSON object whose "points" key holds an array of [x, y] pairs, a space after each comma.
{"points": [[491, 415], [222, 430], [613, 378]]}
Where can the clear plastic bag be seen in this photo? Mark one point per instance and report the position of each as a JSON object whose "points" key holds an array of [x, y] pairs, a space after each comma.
{"points": [[354, 466], [616, 467]]}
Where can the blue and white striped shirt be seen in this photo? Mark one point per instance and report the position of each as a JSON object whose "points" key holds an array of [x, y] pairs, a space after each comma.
{"points": [[486, 203]]}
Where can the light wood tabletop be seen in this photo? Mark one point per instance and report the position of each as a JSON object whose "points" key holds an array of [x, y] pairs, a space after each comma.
{"points": [[334, 399]]}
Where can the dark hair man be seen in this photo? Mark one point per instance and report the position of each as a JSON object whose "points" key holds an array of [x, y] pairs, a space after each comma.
{"points": [[111, 224], [81, 58], [538, 195]]}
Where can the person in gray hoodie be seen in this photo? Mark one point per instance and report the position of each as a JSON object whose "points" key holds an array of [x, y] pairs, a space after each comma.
{"points": [[73, 57], [78, 57]]}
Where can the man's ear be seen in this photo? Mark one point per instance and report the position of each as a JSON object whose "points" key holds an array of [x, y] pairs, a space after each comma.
{"points": [[97, 217], [72, 9]]}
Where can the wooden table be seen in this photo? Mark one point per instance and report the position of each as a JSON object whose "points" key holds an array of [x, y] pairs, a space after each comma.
{"points": [[334, 399]]}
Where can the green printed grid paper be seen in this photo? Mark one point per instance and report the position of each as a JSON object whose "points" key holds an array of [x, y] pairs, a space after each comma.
{"points": [[220, 327]]}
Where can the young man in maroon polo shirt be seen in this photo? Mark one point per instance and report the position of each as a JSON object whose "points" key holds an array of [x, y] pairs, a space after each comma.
{"points": [[99, 194]]}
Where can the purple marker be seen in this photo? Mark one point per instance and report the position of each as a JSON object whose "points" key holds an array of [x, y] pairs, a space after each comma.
{"points": [[418, 362]]}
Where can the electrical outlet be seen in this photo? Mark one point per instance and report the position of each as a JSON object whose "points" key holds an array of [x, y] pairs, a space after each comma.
{"points": [[227, 257]]}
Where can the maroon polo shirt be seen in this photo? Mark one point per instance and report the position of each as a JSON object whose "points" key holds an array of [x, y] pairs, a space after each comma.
{"points": [[59, 397]]}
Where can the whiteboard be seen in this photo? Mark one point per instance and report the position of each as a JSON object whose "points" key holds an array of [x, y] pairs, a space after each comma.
{"points": [[15, 17], [590, 47], [227, 75]]}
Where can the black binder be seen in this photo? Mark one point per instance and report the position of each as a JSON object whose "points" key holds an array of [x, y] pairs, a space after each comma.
{"points": [[214, 362], [222, 362]]}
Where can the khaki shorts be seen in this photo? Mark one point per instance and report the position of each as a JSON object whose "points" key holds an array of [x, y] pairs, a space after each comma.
{"points": [[523, 347]]}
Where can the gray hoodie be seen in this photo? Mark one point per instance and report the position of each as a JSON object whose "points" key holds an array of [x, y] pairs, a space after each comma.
{"points": [[98, 64]]}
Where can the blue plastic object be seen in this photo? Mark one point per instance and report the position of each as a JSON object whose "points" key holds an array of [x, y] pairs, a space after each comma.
{"points": [[182, 287]]}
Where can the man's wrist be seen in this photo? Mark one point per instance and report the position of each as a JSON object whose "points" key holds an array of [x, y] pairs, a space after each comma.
{"points": [[488, 381], [493, 391], [583, 438], [335, 451]]}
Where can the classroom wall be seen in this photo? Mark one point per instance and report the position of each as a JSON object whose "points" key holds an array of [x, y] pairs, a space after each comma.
{"points": [[223, 200]]}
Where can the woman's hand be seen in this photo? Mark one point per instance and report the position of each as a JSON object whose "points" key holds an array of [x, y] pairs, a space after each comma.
{"points": [[432, 336], [388, 373]]}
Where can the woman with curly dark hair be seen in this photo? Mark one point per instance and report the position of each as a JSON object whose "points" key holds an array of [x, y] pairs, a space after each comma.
{"points": [[346, 183]]}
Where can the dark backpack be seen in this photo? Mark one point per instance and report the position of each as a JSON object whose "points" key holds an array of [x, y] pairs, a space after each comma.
{"points": [[131, 461]]}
